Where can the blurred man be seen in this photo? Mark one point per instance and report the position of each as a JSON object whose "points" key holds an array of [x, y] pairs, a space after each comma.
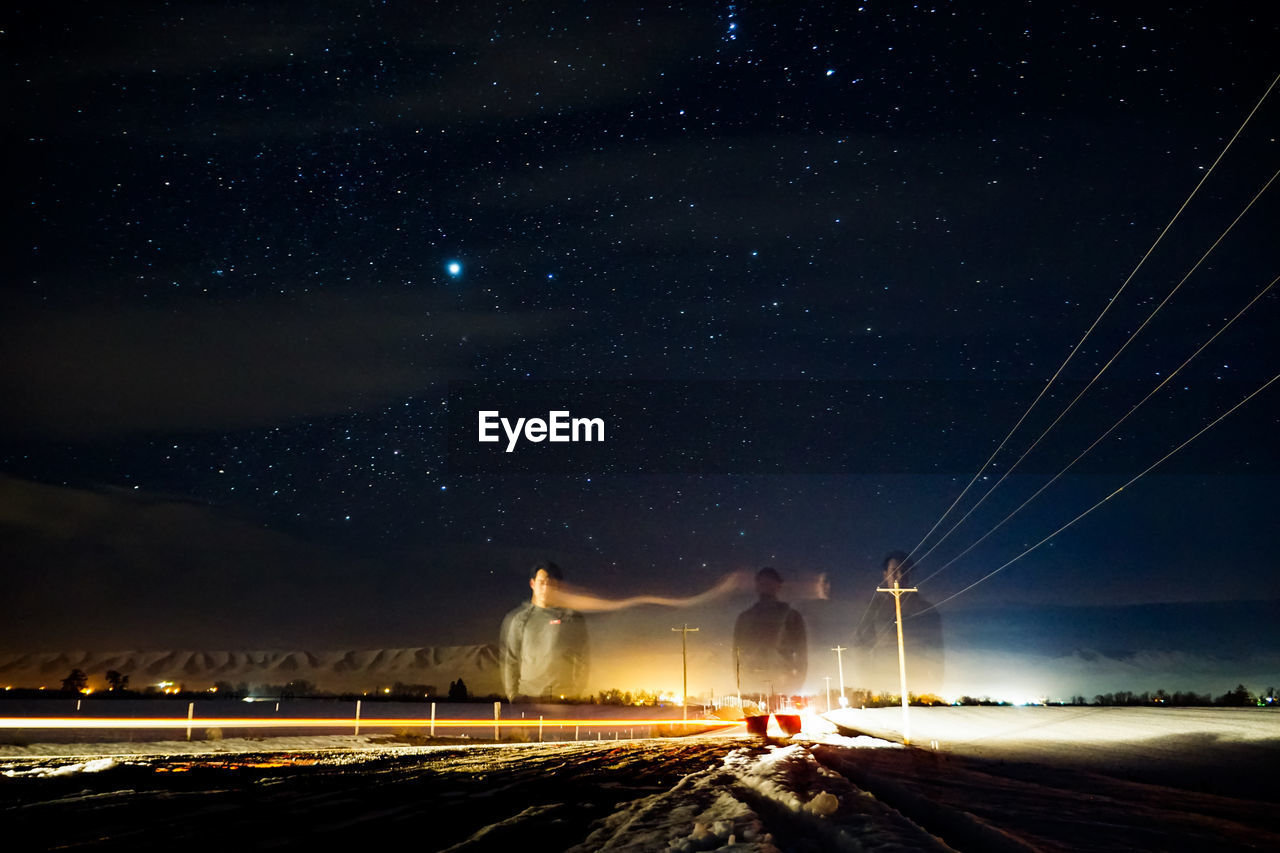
{"points": [[876, 642], [769, 642], [543, 647]]}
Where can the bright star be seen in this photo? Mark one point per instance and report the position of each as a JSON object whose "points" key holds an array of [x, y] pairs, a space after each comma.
{"points": [[454, 268]]}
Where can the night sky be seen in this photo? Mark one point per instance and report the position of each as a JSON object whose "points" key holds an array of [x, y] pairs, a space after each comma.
{"points": [[253, 247]]}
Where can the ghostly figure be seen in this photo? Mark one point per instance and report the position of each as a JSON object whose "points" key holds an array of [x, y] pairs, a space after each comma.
{"points": [[769, 643], [876, 641], [543, 646]]}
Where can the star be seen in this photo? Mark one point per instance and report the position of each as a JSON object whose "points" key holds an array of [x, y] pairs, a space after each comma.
{"points": [[453, 268]]}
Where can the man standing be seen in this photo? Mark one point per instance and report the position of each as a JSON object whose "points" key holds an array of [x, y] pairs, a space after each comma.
{"points": [[769, 642], [543, 648]]}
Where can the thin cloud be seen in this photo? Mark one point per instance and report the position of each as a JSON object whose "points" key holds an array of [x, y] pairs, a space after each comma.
{"points": [[446, 69], [92, 567], [100, 372]]}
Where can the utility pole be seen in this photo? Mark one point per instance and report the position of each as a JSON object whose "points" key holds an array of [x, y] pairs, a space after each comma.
{"points": [[839, 650], [684, 655], [827, 679], [897, 592], [737, 673]]}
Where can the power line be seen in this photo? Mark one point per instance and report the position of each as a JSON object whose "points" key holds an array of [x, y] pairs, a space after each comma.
{"points": [[1104, 369], [1098, 320], [1110, 430], [1147, 470]]}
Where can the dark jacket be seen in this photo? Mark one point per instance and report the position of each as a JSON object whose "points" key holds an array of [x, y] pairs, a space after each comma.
{"points": [[772, 654]]}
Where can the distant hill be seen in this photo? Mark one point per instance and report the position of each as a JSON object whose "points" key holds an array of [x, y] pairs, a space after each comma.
{"points": [[336, 671], [1007, 652]]}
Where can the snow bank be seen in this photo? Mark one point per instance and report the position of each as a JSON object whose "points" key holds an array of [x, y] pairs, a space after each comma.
{"points": [[230, 746], [96, 765], [762, 798]]}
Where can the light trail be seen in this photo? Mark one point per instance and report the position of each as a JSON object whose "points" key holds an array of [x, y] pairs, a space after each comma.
{"points": [[336, 722]]}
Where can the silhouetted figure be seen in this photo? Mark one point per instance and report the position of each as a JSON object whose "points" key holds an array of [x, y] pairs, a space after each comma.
{"points": [[543, 648], [769, 642], [827, 624], [875, 656]]}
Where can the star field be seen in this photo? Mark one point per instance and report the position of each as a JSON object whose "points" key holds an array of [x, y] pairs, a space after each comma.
{"points": [[252, 246]]}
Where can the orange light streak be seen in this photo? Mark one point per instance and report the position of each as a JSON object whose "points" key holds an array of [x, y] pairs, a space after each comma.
{"points": [[333, 722]]}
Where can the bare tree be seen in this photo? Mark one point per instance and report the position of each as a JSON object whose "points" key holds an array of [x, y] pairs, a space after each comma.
{"points": [[76, 681]]}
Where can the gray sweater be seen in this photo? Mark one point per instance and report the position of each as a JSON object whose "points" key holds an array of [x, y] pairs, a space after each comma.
{"points": [[543, 652]]}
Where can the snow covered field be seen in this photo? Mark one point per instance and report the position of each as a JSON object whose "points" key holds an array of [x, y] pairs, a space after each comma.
{"points": [[1233, 749], [1000, 779]]}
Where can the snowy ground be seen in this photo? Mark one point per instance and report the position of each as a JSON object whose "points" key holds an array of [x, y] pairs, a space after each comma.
{"points": [[1219, 750], [1000, 779]]}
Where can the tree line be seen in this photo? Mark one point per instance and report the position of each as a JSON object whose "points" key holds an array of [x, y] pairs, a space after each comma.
{"points": [[1238, 697]]}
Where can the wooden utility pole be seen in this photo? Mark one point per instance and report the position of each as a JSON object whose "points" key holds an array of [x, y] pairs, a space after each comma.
{"points": [[684, 655], [827, 679], [839, 650], [737, 672], [897, 592]]}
